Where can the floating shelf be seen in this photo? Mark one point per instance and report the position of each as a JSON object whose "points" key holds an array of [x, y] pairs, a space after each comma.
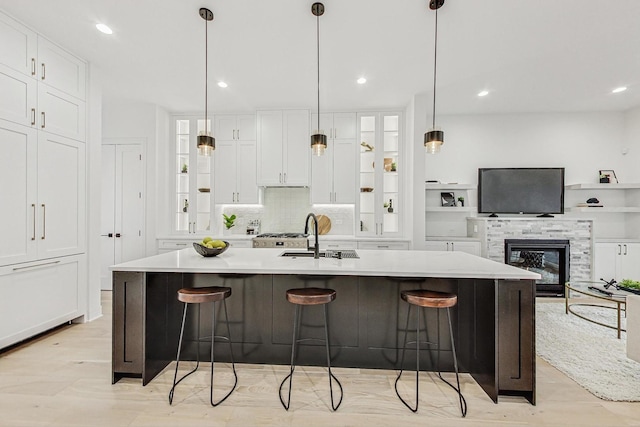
{"points": [[603, 209], [440, 186], [598, 186], [451, 209]]}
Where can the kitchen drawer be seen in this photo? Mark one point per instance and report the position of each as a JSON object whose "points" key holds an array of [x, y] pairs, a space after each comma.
{"points": [[338, 244], [383, 245], [173, 245]]}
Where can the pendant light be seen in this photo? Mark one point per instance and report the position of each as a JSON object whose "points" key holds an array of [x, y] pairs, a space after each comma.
{"points": [[318, 139], [434, 137], [206, 143]]}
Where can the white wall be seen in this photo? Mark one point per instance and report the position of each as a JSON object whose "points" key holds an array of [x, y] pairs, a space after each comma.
{"points": [[149, 123]]}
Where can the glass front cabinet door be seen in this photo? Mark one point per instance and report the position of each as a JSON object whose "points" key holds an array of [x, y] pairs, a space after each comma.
{"points": [[379, 206], [192, 201]]}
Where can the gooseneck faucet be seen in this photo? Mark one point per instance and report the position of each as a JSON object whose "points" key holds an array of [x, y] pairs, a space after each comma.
{"points": [[316, 248]]}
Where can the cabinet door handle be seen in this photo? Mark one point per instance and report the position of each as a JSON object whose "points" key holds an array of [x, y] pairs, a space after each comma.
{"points": [[44, 71], [335, 132], [238, 134], [118, 235], [33, 66], [285, 177], [452, 247], [189, 228], [625, 249], [280, 178], [383, 246], [238, 197], [43, 119], [234, 134], [619, 249], [33, 116], [33, 236], [44, 222]]}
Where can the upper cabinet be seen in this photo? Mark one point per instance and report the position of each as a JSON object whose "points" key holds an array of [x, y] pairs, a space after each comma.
{"points": [[333, 177], [235, 159], [380, 206], [18, 46], [61, 70], [283, 148]]}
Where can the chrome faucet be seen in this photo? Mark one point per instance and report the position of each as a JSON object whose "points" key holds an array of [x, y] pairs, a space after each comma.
{"points": [[316, 248]]}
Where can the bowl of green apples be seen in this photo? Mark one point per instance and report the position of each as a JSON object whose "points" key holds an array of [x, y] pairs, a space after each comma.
{"points": [[210, 247]]}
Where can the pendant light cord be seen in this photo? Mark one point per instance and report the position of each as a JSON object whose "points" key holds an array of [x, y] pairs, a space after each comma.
{"points": [[318, 63], [435, 63], [206, 75]]}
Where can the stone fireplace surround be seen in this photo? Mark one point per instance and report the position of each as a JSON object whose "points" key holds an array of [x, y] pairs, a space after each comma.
{"points": [[492, 233]]}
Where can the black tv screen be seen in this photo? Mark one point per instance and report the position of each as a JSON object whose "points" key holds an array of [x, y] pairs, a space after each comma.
{"points": [[521, 190]]}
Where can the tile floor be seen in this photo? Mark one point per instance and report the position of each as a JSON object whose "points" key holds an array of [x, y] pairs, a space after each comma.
{"points": [[63, 379]]}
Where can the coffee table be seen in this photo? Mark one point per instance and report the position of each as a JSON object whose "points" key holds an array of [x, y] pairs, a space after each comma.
{"points": [[616, 301]]}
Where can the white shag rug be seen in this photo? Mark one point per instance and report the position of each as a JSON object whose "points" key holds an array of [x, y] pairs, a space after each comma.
{"points": [[589, 354]]}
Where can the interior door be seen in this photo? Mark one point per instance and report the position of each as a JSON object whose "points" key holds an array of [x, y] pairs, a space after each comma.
{"points": [[122, 220]]}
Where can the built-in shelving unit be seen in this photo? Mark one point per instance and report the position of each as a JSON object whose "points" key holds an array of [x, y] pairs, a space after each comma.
{"points": [[445, 222]]}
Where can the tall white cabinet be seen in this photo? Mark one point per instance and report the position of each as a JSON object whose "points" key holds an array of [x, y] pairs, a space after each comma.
{"points": [[333, 175], [42, 166]]}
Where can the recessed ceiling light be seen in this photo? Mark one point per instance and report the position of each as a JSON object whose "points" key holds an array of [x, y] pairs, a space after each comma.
{"points": [[104, 29], [619, 89], [483, 93], [222, 84], [361, 81]]}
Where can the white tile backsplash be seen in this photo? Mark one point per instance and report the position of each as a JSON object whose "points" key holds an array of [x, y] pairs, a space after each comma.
{"points": [[285, 209]]}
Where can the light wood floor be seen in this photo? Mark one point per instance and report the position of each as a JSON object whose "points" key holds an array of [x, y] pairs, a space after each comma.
{"points": [[63, 379]]}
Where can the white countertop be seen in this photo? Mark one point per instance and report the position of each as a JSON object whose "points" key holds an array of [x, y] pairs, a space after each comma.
{"points": [[395, 263]]}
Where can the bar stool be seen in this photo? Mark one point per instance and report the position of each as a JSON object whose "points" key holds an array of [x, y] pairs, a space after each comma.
{"points": [[431, 299], [200, 296], [301, 297]]}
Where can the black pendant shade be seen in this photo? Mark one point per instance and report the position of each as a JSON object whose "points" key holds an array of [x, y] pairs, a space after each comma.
{"points": [[206, 143], [434, 138]]}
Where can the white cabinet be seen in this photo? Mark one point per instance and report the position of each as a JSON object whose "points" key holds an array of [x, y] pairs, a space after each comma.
{"points": [[337, 244], [61, 70], [383, 244], [333, 176], [40, 295], [470, 247], [18, 46], [617, 260], [19, 96], [61, 114], [235, 165], [283, 148], [45, 214], [379, 207]]}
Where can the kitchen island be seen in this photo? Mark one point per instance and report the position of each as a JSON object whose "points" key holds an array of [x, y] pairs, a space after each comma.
{"points": [[494, 320]]}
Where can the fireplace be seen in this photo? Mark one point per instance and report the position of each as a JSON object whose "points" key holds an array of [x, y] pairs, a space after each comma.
{"points": [[549, 258]]}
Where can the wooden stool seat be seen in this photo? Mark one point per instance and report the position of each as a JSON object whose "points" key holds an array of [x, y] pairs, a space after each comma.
{"points": [[203, 295], [310, 296], [433, 299]]}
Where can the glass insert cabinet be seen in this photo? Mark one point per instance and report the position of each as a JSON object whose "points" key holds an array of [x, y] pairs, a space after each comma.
{"points": [[379, 208], [192, 204]]}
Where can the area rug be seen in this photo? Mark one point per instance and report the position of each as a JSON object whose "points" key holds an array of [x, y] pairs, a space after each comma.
{"points": [[589, 354]]}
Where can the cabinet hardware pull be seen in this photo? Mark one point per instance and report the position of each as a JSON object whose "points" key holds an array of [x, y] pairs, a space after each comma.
{"points": [[43, 119], [280, 177], [238, 197], [383, 246], [33, 66], [234, 134], [44, 222], [36, 266], [452, 247], [335, 132], [118, 235], [33, 236], [238, 134], [285, 177], [625, 249], [619, 249], [43, 71], [33, 116], [181, 244]]}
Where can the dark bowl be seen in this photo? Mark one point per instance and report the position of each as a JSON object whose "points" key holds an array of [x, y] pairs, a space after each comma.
{"points": [[206, 252]]}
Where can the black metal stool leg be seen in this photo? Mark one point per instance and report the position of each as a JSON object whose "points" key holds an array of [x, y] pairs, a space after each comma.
{"points": [[294, 343], [404, 346], [326, 335], [228, 338], [463, 402], [175, 375]]}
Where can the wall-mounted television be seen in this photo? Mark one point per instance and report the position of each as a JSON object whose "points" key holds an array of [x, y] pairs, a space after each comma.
{"points": [[521, 191]]}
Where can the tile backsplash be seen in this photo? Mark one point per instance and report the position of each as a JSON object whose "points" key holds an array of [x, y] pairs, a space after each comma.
{"points": [[285, 209]]}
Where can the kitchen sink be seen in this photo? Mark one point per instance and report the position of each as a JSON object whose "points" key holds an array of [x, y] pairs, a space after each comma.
{"points": [[347, 253]]}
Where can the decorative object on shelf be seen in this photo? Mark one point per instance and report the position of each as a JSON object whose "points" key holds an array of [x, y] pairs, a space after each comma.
{"points": [[324, 224], [448, 198], [608, 176], [206, 142], [394, 167], [318, 139], [185, 206], [387, 164], [204, 190], [184, 168], [367, 146], [390, 208], [366, 189], [461, 201], [229, 221], [434, 137], [591, 202]]}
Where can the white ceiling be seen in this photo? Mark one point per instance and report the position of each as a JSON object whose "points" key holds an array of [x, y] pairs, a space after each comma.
{"points": [[532, 55]]}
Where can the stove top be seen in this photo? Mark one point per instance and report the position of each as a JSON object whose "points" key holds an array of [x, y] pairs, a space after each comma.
{"points": [[280, 240], [282, 235]]}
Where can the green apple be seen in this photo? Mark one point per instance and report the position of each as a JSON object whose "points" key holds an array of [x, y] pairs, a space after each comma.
{"points": [[218, 244], [207, 239]]}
